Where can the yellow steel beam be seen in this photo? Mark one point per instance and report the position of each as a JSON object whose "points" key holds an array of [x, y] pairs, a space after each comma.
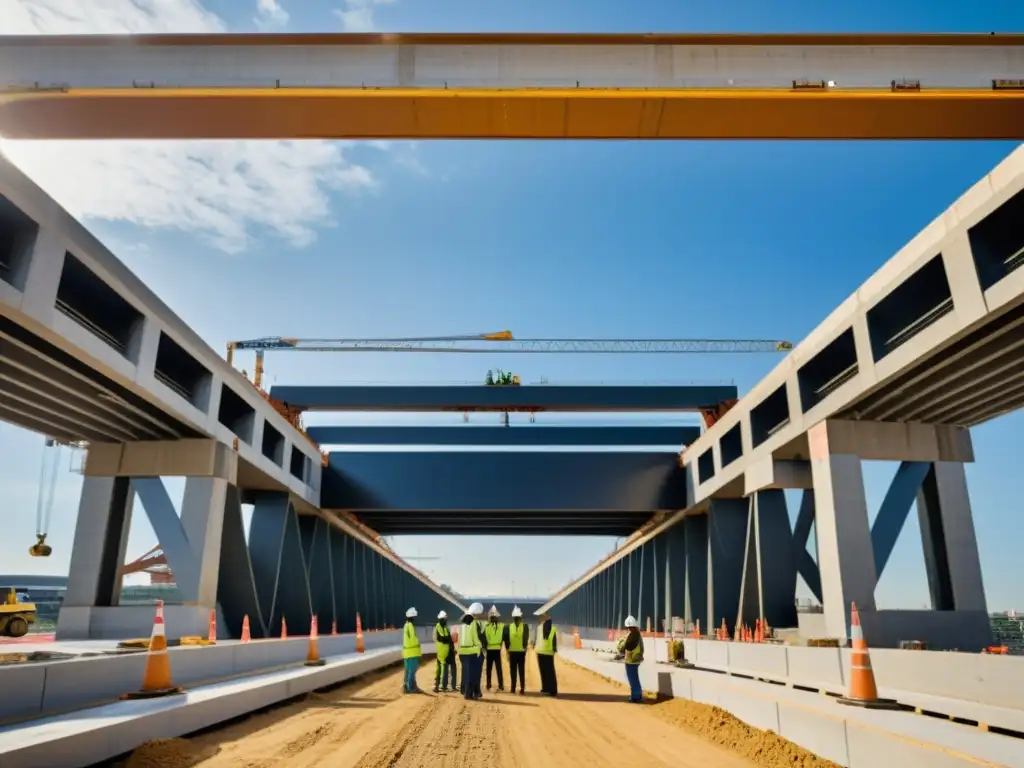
{"points": [[426, 113]]}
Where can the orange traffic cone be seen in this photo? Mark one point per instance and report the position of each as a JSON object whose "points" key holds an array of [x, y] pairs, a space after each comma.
{"points": [[246, 636], [211, 635], [284, 628], [313, 653], [696, 629], [725, 631], [863, 692], [577, 641], [156, 680], [360, 646], [334, 627]]}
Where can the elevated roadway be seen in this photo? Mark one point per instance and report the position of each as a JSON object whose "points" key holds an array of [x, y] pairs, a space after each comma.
{"points": [[933, 336], [541, 86], [504, 436]]}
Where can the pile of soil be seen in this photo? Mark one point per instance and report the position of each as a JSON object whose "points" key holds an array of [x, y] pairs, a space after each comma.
{"points": [[721, 727], [164, 753]]}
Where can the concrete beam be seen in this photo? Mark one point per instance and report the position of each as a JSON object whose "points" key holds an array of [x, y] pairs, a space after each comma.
{"points": [[770, 474], [503, 481], [432, 398], [890, 441], [505, 436], [179, 458]]}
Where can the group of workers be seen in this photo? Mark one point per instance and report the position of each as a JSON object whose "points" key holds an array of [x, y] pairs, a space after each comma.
{"points": [[478, 641]]}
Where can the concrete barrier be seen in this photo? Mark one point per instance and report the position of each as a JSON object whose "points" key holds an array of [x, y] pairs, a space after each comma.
{"points": [[58, 686], [101, 733], [849, 736], [971, 686]]}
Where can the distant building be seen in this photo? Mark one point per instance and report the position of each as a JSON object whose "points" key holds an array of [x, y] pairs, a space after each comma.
{"points": [[47, 592]]}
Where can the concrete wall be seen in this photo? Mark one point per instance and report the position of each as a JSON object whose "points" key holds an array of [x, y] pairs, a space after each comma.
{"points": [[848, 736], [49, 687], [504, 481], [973, 686]]}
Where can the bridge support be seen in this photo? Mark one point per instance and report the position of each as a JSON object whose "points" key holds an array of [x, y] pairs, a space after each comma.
{"points": [[291, 567]]}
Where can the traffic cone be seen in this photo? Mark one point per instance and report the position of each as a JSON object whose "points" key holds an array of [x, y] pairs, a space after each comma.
{"points": [[725, 631], [313, 653], [334, 627], [696, 630], [863, 692], [284, 628], [246, 636], [211, 636], [156, 680], [360, 646], [577, 641]]}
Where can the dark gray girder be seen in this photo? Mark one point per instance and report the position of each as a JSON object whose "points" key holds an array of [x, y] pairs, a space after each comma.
{"points": [[505, 436]]}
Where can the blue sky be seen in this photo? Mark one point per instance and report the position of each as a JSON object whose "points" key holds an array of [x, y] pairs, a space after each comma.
{"points": [[702, 239]]}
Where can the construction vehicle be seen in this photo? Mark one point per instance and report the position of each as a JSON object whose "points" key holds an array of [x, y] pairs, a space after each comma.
{"points": [[16, 616]]}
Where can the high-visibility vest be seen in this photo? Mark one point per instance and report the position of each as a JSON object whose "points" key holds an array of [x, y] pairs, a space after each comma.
{"points": [[469, 643], [410, 642], [516, 634], [636, 655], [478, 625], [441, 632], [545, 646], [494, 633]]}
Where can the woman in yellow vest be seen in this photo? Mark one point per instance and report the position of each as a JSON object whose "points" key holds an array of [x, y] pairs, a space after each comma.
{"points": [[411, 652], [546, 646], [632, 649], [445, 655], [469, 657]]}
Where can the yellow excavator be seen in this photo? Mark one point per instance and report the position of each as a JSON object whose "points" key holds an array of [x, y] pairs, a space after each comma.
{"points": [[15, 616]]}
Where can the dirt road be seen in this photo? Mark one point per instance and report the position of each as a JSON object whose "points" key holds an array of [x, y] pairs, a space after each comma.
{"points": [[371, 724]]}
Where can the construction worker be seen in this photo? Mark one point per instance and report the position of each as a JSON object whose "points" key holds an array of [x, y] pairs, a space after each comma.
{"points": [[469, 656], [546, 646], [445, 655], [516, 638], [632, 649], [494, 632], [411, 652], [478, 622]]}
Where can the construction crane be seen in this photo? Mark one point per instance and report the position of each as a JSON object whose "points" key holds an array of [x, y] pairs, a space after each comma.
{"points": [[502, 341]]}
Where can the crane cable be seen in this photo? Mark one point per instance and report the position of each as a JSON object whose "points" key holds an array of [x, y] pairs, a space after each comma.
{"points": [[47, 485]]}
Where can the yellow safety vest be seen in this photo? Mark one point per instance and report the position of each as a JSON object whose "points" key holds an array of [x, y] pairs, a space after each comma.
{"points": [[410, 642], [494, 632], [469, 643], [442, 648], [515, 637], [544, 646], [478, 625], [636, 655]]}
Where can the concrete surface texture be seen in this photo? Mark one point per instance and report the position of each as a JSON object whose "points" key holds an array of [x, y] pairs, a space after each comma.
{"points": [[848, 736], [370, 724]]}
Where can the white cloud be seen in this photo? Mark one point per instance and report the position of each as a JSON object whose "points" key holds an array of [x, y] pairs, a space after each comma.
{"points": [[218, 190], [270, 14], [357, 15]]}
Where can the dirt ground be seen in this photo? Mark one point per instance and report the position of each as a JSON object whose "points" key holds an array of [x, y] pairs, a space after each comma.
{"points": [[371, 724]]}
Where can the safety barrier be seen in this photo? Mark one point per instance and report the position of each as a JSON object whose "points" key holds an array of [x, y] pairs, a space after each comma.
{"points": [[48, 687], [849, 736], [981, 688]]}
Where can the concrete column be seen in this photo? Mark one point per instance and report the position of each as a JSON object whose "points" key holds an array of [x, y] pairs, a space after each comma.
{"points": [[950, 545], [696, 605], [202, 519], [101, 536], [846, 559], [727, 532]]}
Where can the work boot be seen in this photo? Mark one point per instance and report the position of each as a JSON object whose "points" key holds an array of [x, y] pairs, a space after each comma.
{"points": [[438, 690], [501, 688]]}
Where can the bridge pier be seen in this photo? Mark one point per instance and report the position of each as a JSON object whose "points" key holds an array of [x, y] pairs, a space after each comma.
{"points": [[291, 567]]}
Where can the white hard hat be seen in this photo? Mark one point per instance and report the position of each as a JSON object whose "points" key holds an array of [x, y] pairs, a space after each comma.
{"points": [[493, 611], [516, 613], [476, 609], [442, 615], [411, 613], [631, 622]]}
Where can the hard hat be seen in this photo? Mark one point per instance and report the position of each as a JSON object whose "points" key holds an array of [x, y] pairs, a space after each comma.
{"points": [[442, 615], [631, 622], [411, 613], [476, 609], [516, 613], [493, 611]]}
